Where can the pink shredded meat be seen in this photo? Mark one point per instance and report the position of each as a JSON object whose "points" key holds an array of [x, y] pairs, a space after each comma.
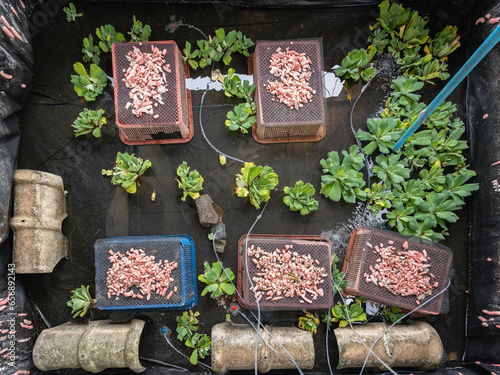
{"points": [[285, 274], [294, 72], [137, 271], [147, 80]]}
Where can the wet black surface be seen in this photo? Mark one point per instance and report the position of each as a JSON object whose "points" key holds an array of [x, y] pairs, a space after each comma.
{"points": [[97, 209]]}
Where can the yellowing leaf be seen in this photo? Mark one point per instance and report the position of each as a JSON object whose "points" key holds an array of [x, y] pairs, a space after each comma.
{"points": [[222, 159]]}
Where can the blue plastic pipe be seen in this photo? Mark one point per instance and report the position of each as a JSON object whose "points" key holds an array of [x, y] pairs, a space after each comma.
{"points": [[470, 64]]}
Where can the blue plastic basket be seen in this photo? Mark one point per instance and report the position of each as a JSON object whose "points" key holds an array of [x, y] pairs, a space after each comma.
{"points": [[177, 248]]}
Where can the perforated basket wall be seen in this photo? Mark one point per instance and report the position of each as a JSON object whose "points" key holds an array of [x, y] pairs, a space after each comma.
{"points": [[360, 256], [173, 121], [276, 122], [318, 247], [180, 249]]}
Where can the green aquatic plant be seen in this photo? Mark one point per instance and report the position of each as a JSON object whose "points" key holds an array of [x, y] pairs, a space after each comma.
{"points": [[80, 301], [217, 48], [218, 280], [71, 13], [91, 52], [256, 183], [355, 65], [89, 85], [190, 182], [89, 121], [300, 198], [108, 35], [309, 322], [138, 32], [343, 180], [127, 170]]}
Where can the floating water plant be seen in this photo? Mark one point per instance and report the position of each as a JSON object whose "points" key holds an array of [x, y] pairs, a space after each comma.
{"points": [[256, 183], [89, 85], [190, 182], [89, 121], [127, 170]]}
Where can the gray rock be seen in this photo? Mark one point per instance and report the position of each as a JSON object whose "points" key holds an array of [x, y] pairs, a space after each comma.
{"points": [[219, 231], [208, 212], [220, 245]]}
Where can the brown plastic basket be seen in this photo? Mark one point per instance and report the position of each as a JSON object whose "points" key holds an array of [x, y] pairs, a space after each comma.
{"points": [[360, 256], [318, 247], [276, 123], [175, 122]]}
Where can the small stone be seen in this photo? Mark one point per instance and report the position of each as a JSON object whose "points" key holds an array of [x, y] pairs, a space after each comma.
{"points": [[208, 212], [219, 231], [220, 246]]}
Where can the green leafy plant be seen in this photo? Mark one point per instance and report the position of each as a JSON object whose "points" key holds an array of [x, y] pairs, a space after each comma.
{"points": [[414, 32], [241, 118], [404, 90], [456, 187], [89, 85], [70, 11], [391, 170], [379, 40], [338, 277], [392, 17], [127, 170], [354, 65], [343, 180], [230, 83], [190, 56], [342, 314], [139, 33], [300, 198], [392, 314], [80, 301], [187, 324], [216, 48], [309, 322], [256, 182], [89, 121], [91, 52], [190, 182], [380, 135], [202, 346], [218, 280], [108, 35], [444, 43], [378, 198]]}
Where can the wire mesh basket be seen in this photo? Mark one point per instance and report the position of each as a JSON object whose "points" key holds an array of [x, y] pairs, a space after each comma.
{"points": [[276, 122], [179, 249], [319, 248], [170, 122], [361, 256]]}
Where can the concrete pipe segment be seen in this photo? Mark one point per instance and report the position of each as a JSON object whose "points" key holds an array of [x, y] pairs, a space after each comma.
{"points": [[233, 348], [93, 347], [39, 209], [415, 344]]}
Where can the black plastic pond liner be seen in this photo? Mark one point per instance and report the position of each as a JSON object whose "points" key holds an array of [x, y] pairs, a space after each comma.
{"points": [[49, 148]]}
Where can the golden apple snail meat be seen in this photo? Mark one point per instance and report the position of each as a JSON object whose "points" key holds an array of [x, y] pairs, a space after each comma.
{"points": [[293, 70], [137, 275], [146, 79], [284, 273], [402, 272]]}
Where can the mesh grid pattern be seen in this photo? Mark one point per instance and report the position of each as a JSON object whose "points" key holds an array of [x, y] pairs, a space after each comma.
{"points": [[319, 248], [273, 113], [361, 257], [180, 249], [173, 116]]}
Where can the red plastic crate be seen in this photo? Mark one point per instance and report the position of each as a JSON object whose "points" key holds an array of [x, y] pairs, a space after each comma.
{"points": [[318, 247], [276, 123], [361, 256], [175, 123]]}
